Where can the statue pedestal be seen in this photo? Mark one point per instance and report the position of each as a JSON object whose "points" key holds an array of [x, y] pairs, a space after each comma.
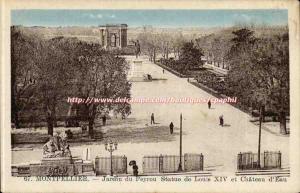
{"points": [[52, 170], [62, 166]]}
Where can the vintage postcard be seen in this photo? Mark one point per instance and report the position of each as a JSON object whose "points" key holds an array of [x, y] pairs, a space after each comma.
{"points": [[150, 96]]}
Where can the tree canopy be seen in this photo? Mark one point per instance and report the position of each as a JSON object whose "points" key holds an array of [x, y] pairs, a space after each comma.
{"points": [[190, 56], [45, 72], [259, 73]]}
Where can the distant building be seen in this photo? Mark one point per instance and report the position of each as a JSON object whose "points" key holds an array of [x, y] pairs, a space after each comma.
{"points": [[113, 36]]}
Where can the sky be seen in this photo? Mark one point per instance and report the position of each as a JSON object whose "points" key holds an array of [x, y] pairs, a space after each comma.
{"points": [[155, 18]]}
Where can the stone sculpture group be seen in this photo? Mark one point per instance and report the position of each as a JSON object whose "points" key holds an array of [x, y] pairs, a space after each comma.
{"points": [[57, 146]]}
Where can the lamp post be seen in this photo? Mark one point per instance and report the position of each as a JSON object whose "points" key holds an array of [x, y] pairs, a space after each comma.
{"points": [[180, 146], [261, 115], [259, 137], [111, 146]]}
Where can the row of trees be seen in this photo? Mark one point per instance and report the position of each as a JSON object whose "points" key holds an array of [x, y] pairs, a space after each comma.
{"points": [[189, 59], [217, 44], [174, 50], [215, 48], [162, 44], [46, 72]]}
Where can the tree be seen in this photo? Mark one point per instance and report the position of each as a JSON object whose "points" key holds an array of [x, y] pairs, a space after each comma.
{"points": [[150, 44], [190, 57], [259, 73], [101, 75], [165, 40], [55, 76], [242, 44], [238, 81], [177, 43], [23, 82], [271, 80]]}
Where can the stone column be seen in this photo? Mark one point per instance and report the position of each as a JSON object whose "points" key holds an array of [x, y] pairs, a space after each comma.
{"points": [[102, 37], [120, 38], [107, 42]]}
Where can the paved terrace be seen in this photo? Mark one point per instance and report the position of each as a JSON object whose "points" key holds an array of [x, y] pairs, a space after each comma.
{"points": [[201, 132]]}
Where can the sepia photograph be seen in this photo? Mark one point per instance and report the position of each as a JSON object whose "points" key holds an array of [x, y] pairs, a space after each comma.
{"points": [[142, 95]]}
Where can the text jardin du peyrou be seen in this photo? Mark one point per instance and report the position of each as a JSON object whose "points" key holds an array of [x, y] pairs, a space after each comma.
{"points": [[88, 100]]}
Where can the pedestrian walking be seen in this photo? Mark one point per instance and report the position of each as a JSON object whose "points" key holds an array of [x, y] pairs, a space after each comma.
{"points": [[163, 71], [135, 170], [171, 128], [209, 104], [221, 120], [152, 119], [134, 167]]}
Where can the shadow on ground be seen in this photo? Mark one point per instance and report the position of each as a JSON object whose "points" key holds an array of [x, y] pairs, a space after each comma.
{"points": [[141, 135], [123, 131]]}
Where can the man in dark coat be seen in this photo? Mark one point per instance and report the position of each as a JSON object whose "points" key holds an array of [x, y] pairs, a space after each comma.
{"points": [[209, 104], [152, 119], [135, 170], [221, 120], [171, 127]]}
